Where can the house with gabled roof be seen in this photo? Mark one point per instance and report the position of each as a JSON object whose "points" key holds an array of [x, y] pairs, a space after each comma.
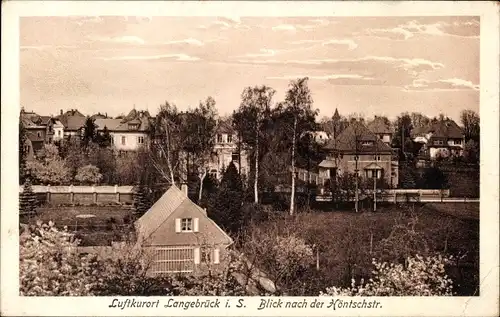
{"points": [[128, 133], [441, 138], [179, 235], [382, 128], [358, 150], [227, 150], [38, 130]]}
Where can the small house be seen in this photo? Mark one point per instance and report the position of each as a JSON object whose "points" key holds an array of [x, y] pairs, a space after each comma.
{"points": [[180, 237]]}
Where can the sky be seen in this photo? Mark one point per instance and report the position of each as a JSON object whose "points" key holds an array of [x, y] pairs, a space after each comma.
{"points": [[366, 65]]}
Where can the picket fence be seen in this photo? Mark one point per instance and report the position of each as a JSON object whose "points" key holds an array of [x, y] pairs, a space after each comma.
{"points": [[85, 195]]}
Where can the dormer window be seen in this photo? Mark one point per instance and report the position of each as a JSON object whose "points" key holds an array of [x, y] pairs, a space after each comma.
{"points": [[229, 138], [367, 143], [219, 138], [133, 126]]}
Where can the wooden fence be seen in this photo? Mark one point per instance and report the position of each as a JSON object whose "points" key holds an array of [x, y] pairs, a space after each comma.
{"points": [[83, 195]]}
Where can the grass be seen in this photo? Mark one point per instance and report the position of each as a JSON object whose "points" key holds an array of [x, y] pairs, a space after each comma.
{"points": [[348, 241], [111, 223]]}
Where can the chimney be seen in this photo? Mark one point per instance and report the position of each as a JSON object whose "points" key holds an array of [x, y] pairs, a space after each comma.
{"points": [[184, 189], [61, 112]]}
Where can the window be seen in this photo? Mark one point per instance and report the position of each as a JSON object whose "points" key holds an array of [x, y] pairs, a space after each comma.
{"points": [[123, 140], [376, 157], [186, 224], [367, 143], [373, 173], [235, 156], [173, 260], [219, 138], [59, 133], [38, 134], [206, 255], [438, 142], [229, 138], [140, 139]]}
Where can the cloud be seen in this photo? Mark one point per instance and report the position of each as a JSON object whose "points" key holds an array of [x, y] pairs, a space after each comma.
{"points": [[347, 42], [410, 29], [189, 41], [451, 84], [225, 23], [125, 39], [335, 79], [86, 20], [46, 47], [264, 52], [316, 23], [176, 57], [324, 77]]}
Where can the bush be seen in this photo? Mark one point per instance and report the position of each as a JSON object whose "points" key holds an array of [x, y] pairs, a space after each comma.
{"points": [[422, 277], [88, 174], [48, 265]]}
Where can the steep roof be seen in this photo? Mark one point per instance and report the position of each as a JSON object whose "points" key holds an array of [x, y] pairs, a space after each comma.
{"points": [[357, 131], [440, 129], [224, 126], [379, 126], [173, 201], [74, 122], [446, 129], [111, 124]]}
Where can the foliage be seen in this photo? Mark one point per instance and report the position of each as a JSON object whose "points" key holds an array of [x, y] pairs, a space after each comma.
{"points": [[251, 120], [22, 152], [199, 127], [434, 178], [471, 124], [285, 257], [404, 127], [88, 174], [27, 200], [141, 201], [421, 277], [225, 207], [49, 266], [49, 168], [471, 151], [90, 133]]}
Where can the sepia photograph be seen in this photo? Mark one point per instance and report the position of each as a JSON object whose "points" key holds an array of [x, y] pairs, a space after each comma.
{"points": [[249, 156]]}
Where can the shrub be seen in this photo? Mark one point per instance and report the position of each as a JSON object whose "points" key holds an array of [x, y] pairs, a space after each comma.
{"points": [[88, 174], [27, 200], [48, 265], [422, 277]]}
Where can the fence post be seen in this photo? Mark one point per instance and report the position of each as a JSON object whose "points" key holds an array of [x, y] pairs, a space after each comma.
{"points": [[94, 195], [47, 191], [71, 194], [117, 194]]}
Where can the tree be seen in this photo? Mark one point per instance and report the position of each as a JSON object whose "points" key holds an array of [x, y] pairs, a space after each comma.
{"points": [[471, 151], [49, 265], [422, 277], [88, 174], [226, 207], [49, 168], [89, 132], [166, 153], [419, 120], [22, 152], [141, 201], [471, 124], [199, 129], [402, 137], [434, 178], [250, 119], [27, 200], [298, 102], [104, 138]]}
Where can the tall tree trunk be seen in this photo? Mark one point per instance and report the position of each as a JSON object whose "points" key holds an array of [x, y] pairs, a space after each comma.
{"points": [[292, 199], [202, 178], [256, 179], [168, 154]]}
